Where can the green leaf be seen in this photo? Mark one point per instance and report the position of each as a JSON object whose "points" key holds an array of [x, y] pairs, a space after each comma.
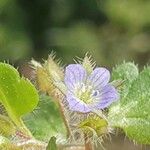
{"points": [[127, 72], [46, 121], [17, 94], [132, 114], [94, 126], [52, 144]]}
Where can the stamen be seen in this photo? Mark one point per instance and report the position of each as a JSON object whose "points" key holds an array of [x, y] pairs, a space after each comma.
{"points": [[84, 93]]}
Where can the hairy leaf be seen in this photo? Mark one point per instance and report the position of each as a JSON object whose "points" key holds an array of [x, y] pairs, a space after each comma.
{"points": [[127, 73], [94, 124], [132, 114], [46, 120]]}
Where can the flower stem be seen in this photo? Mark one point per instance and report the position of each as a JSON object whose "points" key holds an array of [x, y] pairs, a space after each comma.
{"points": [[25, 130], [88, 144], [61, 110]]}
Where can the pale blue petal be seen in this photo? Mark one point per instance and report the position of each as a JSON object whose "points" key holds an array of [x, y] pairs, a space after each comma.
{"points": [[74, 74], [99, 77], [76, 105], [107, 96]]}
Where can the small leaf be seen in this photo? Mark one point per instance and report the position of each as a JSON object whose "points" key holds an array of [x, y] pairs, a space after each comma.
{"points": [[17, 94], [52, 144], [127, 73], [96, 124], [132, 114], [46, 121]]}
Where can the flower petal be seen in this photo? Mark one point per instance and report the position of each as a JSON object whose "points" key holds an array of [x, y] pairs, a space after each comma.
{"points": [[74, 74], [99, 77], [108, 95], [75, 104]]}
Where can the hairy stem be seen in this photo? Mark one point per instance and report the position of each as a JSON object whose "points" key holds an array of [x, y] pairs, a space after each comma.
{"points": [[25, 130], [88, 144], [61, 110]]}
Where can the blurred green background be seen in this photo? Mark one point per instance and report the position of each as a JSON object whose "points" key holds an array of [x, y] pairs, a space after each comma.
{"points": [[112, 31]]}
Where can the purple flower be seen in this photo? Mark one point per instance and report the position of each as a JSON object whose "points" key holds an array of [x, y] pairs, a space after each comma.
{"points": [[86, 92]]}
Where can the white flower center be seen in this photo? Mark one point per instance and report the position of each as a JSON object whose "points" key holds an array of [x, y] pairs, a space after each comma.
{"points": [[85, 93]]}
